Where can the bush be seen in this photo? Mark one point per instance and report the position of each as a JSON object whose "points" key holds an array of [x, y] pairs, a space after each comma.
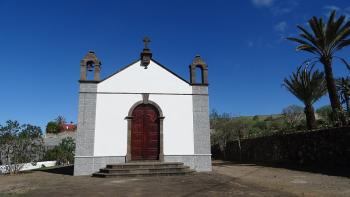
{"points": [[63, 153], [262, 125], [52, 127], [293, 115], [325, 113]]}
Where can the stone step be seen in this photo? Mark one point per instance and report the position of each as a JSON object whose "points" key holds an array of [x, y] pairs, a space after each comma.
{"points": [[132, 174], [153, 168], [144, 169], [145, 165]]}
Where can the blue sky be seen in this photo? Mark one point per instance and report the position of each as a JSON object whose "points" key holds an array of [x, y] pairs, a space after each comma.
{"points": [[242, 41]]}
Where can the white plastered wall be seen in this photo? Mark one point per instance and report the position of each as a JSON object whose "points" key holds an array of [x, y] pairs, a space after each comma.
{"points": [[117, 95]]}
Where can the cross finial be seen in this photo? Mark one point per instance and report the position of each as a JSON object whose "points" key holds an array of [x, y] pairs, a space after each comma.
{"points": [[146, 41]]}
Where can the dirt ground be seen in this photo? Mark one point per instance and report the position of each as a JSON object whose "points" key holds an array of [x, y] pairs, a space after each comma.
{"points": [[290, 181], [226, 180]]}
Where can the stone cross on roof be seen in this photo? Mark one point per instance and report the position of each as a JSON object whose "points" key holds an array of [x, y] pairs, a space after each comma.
{"points": [[146, 41]]}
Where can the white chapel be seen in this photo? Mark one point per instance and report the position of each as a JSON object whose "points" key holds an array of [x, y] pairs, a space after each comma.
{"points": [[142, 112]]}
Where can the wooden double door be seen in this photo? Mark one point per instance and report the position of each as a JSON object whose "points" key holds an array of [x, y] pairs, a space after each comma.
{"points": [[145, 135]]}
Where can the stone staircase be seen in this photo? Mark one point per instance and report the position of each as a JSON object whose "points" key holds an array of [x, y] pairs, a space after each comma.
{"points": [[144, 169]]}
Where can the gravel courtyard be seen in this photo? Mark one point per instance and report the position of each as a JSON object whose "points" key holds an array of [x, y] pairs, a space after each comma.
{"points": [[226, 180]]}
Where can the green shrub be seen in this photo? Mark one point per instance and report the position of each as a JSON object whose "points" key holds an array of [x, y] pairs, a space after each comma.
{"points": [[325, 113], [52, 127], [63, 153]]}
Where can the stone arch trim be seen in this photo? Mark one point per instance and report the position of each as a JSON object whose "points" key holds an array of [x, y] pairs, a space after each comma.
{"points": [[199, 63], [145, 101], [90, 58], [129, 120]]}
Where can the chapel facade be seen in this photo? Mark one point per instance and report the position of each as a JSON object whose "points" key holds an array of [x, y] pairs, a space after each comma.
{"points": [[143, 112]]}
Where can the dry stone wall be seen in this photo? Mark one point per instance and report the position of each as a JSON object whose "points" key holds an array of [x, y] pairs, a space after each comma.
{"points": [[327, 147]]}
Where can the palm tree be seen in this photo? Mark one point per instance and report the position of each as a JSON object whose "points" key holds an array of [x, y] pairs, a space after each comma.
{"points": [[343, 87], [308, 87], [324, 41]]}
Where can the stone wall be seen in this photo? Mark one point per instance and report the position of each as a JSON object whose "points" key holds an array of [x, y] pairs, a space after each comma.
{"points": [[327, 147], [51, 140]]}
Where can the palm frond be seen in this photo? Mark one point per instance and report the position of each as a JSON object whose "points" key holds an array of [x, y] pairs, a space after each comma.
{"points": [[324, 39], [306, 84], [345, 62], [308, 48], [343, 44], [300, 41], [343, 89], [309, 37]]}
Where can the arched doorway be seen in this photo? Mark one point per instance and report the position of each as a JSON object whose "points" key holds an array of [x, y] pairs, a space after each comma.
{"points": [[145, 133]]}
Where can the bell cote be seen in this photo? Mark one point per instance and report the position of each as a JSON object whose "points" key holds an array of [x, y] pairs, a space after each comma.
{"points": [[198, 63], [90, 63]]}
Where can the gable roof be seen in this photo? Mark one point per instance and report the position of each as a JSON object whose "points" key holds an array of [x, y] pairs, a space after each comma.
{"points": [[165, 68]]}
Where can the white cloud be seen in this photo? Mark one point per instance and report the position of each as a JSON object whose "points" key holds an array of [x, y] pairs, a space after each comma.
{"points": [[277, 7], [341, 11], [331, 7], [280, 11], [280, 27], [284, 7], [263, 3]]}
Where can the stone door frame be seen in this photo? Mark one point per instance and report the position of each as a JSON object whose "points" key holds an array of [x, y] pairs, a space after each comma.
{"points": [[129, 122]]}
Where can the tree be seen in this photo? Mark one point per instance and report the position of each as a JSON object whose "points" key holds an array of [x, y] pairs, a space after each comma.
{"points": [[62, 153], [19, 144], [343, 88], [240, 129], [222, 130], [256, 118], [227, 129], [52, 127], [56, 125], [60, 120], [324, 41], [325, 113], [308, 86], [292, 115]]}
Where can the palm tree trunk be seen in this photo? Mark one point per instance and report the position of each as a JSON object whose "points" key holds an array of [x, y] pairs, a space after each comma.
{"points": [[310, 116], [332, 90]]}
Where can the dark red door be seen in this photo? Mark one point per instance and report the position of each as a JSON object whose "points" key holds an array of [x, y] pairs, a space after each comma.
{"points": [[145, 133]]}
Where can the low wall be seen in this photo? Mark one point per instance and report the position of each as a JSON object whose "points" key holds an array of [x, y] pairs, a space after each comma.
{"points": [[327, 147], [30, 166]]}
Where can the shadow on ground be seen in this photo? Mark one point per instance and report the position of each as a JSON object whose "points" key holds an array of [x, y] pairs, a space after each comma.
{"points": [[64, 170], [341, 171]]}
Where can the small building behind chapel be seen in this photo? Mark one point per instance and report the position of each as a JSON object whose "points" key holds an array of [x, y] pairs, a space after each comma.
{"points": [[143, 112]]}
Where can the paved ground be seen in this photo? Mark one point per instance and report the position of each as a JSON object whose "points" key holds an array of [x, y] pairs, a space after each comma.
{"points": [[226, 180]]}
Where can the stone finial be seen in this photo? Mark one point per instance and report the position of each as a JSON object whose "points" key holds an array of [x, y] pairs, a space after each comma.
{"points": [[90, 63], [146, 41], [198, 62], [146, 54]]}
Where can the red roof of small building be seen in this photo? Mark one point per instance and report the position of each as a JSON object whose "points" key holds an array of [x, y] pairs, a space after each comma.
{"points": [[68, 127]]}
